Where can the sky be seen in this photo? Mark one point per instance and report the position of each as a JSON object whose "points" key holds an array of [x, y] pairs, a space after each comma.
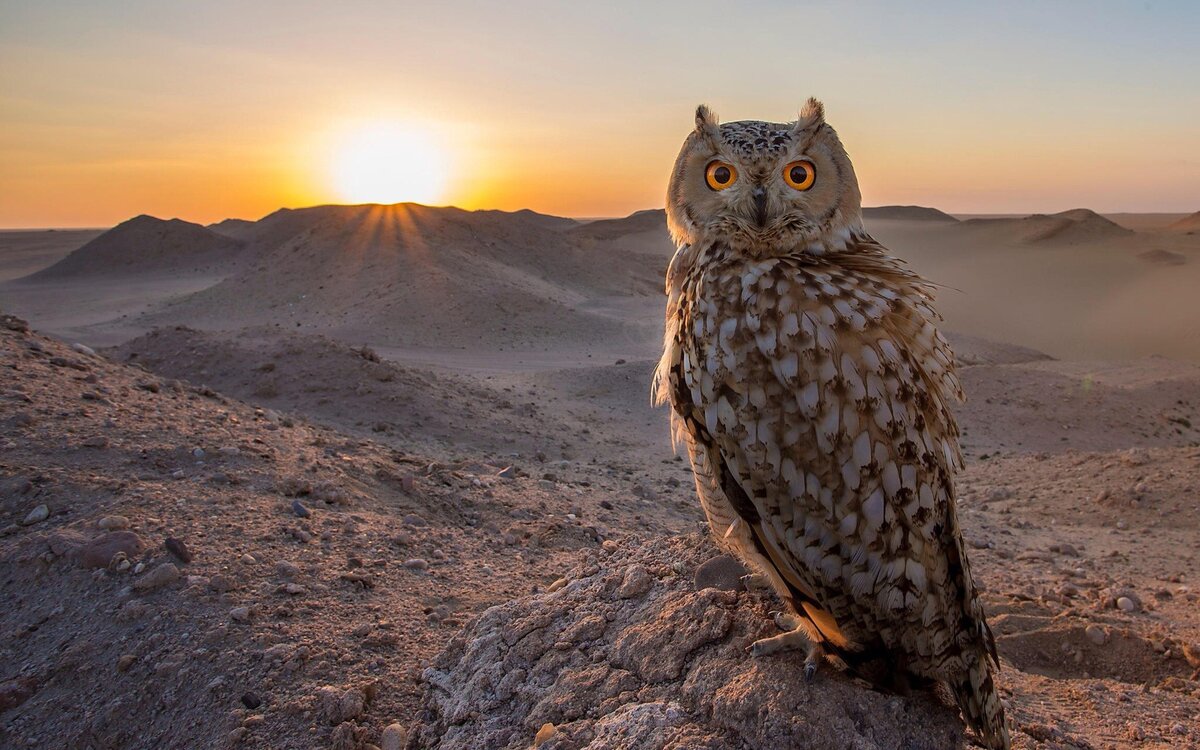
{"points": [[204, 111]]}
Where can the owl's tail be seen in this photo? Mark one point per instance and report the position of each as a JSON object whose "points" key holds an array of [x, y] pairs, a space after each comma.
{"points": [[979, 700]]}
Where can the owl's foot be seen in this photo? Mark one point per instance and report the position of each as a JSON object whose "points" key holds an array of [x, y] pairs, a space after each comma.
{"points": [[756, 582], [800, 636]]}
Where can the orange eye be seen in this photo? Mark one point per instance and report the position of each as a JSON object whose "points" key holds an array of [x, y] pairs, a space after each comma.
{"points": [[720, 175], [800, 174]]}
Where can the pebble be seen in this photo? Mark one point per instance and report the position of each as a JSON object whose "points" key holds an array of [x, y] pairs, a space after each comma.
{"points": [[546, 484], [98, 441], [162, 575], [412, 519], [198, 453], [38, 514], [287, 569], [416, 563], [1096, 634], [229, 450], [1125, 604], [83, 349], [125, 662], [113, 523], [300, 510], [544, 734], [636, 582], [294, 589], [251, 701], [240, 614], [393, 738], [248, 559], [177, 548], [509, 472]]}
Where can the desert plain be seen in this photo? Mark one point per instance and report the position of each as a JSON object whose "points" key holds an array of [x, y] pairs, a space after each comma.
{"points": [[389, 476]]}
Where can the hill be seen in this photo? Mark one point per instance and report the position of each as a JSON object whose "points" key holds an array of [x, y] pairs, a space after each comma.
{"points": [[907, 213], [411, 275], [1075, 226], [146, 245], [1188, 224]]}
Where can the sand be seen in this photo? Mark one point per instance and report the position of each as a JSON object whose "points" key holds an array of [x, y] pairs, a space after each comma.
{"points": [[459, 404]]}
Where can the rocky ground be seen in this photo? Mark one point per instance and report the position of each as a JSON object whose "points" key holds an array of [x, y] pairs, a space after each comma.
{"points": [[185, 569]]}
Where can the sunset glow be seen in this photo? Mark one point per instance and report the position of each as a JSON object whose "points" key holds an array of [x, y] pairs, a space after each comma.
{"points": [[389, 163]]}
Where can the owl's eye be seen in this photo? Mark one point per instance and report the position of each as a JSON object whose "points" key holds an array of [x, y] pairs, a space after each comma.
{"points": [[800, 174], [720, 175]]}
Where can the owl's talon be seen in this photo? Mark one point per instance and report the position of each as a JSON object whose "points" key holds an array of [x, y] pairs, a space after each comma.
{"points": [[755, 582], [810, 671]]}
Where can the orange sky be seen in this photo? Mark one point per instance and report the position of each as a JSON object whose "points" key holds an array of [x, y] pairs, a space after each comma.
{"points": [[234, 109]]}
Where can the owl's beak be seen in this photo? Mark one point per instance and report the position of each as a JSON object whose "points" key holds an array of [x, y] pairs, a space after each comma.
{"points": [[760, 207]]}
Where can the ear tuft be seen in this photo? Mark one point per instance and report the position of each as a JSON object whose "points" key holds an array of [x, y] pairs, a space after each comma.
{"points": [[812, 116], [707, 123]]}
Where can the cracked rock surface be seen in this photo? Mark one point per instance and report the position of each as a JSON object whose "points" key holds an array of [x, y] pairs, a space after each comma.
{"points": [[629, 654]]}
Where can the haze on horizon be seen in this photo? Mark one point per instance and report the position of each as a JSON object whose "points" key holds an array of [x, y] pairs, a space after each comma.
{"points": [[235, 109]]}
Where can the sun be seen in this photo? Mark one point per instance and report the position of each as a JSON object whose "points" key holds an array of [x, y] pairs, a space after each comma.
{"points": [[389, 163]]}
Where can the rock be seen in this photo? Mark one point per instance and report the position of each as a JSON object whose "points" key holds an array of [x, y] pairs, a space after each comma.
{"points": [[177, 548], [113, 523], [99, 552], [96, 441], [240, 614], [636, 582], [412, 519], [287, 569], [1126, 604], [338, 705], [722, 572], [416, 563], [393, 738], [546, 731], [509, 472], [664, 669], [37, 515], [1097, 634], [125, 662], [300, 510], [16, 691], [546, 484], [161, 575], [83, 349], [251, 701]]}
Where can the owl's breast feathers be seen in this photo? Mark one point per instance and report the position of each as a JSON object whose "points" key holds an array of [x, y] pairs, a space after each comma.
{"points": [[822, 387]]}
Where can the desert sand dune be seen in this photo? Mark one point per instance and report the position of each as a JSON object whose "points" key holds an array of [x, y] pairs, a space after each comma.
{"points": [[906, 213], [1075, 226], [1188, 224]]}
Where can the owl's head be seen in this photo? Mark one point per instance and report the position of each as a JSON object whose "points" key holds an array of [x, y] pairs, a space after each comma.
{"points": [[763, 187]]}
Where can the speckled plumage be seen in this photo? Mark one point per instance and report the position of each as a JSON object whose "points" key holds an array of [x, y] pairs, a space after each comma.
{"points": [[813, 391]]}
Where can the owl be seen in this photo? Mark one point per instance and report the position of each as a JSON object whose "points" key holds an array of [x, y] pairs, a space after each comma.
{"points": [[808, 380]]}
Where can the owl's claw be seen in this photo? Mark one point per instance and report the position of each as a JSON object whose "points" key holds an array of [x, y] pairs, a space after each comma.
{"points": [[755, 582], [799, 636]]}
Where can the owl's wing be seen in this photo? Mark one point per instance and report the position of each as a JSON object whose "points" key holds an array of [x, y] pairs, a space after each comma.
{"points": [[827, 401]]}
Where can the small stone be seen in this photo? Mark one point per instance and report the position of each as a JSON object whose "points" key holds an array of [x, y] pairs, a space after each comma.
{"points": [[229, 450], [248, 559], [294, 589], [338, 706], [251, 701], [125, 662], [416, 563], [287, 569], [162, 575], [113, 523], [97, 441], [37, 515], [300, 510], [546, 484], [198, 453], [606, 505], [240, 614], [1125, 604], [509, 472], [83, 349], [177, 548], [1096, 634], [637, 581], [237, 735], [412, 519], [547, 731], [393, 738]]}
